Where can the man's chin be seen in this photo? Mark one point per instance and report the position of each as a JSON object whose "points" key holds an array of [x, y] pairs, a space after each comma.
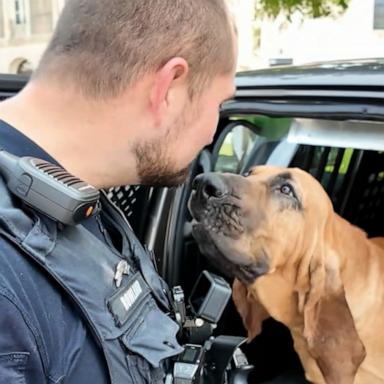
{"points": [[156, 167], [164, 178]]}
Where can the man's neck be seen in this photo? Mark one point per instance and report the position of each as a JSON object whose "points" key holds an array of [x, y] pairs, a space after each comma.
{"points": [[70, 129]]}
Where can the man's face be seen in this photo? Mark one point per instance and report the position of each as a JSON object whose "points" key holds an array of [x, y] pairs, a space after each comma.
{"points": [[165, 161]]}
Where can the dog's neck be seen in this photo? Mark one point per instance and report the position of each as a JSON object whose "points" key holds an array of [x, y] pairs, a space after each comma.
{"points": [[359, 265]]}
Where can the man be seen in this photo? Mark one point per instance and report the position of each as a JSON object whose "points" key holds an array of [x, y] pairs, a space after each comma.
{"points": [[127, 92]]}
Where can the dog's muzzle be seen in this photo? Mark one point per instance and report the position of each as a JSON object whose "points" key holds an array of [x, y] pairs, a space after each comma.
{"points": [[219, 223], [213, 205]]}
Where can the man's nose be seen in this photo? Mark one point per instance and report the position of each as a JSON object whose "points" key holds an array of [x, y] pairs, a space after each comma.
{"points": [[209, 185]]}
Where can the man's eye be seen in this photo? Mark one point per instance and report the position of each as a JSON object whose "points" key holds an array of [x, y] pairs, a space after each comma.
{"points": [[286, 189], [246, 174]]}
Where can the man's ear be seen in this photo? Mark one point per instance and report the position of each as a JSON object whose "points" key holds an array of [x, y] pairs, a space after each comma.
{"points": [[329, 327], [170, 82], [251, 311]]}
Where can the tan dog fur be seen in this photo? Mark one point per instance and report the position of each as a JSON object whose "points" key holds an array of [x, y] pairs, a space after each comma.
{"points": [[325, 281]]}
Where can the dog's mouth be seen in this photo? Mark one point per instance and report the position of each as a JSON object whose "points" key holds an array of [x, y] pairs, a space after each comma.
{"points": [[229, 263], [218, 224], [220, 216]]}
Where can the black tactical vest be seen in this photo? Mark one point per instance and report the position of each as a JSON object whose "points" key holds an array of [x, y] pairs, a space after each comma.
{"points": [[120, 295]]}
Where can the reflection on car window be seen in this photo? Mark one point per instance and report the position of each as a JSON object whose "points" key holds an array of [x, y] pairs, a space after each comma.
{"points": [[244, 146], [236, 147]]}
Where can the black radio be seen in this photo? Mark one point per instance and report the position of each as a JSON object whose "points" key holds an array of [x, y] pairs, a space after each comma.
{"points": [[49, 188]]}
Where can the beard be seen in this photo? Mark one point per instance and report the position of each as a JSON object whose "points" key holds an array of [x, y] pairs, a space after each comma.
{"points": [[154, 166], [154, 162]]}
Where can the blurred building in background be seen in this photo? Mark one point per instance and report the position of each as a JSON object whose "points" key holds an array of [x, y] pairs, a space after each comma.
{"points": [[26, 25], [358, 33]]}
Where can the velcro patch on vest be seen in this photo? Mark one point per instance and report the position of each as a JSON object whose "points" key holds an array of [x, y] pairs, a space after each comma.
{"points": [[124, 302]]}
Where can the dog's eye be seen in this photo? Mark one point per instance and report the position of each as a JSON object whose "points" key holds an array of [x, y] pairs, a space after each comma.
{"points": [[286, 189]]}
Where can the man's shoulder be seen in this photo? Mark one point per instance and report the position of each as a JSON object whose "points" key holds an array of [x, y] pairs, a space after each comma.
{"points": [[39, 319], [15, 266], [33, 290], [36, 302]]}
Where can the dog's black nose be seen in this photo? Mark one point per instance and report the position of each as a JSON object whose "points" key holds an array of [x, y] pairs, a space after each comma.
{"points": [[210, 185]]}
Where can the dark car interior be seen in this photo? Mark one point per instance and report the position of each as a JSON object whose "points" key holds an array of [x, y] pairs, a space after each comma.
{"points": [[352, 177]]}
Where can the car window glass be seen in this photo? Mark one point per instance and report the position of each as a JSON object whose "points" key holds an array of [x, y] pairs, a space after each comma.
{"points": [[236, 147], [250, 142]]}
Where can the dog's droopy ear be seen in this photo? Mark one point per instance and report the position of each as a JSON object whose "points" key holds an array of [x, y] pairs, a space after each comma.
{"points": [[251, 311], [329, 327]]}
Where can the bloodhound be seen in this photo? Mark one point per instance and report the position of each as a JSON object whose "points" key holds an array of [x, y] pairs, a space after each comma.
{"points": [[296, 260]]}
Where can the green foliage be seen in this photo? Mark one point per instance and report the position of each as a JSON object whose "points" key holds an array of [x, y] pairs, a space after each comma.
{"points": [[308, 8]]}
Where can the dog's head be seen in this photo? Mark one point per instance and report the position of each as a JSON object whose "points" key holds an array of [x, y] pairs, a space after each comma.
{"points": [[251, 225], [271, 221]]}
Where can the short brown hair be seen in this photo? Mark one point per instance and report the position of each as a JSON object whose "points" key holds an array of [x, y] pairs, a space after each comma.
{"points": [[103, 46]]}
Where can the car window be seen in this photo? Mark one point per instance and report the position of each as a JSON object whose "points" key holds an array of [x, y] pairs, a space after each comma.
{"points": [[249, 140], [237, 145]]}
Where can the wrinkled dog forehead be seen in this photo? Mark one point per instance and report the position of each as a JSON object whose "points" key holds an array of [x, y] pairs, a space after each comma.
{"points": [[265, 173], [274, 176]]}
